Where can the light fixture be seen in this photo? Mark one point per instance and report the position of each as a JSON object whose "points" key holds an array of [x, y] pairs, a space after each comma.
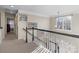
{"points": [[11, 6]]}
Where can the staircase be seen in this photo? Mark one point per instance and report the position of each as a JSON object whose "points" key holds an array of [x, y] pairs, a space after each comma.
{"points": [[41, 49]]}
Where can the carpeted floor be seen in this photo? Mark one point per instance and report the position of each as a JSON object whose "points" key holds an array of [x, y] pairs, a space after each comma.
{"points": [[12, 45]]}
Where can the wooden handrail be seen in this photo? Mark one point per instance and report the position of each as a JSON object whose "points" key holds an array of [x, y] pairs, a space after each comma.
{"points": [[65, 34]]}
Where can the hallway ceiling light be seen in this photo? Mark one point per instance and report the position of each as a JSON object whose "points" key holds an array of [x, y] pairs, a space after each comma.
{"points": [[11, 6]]}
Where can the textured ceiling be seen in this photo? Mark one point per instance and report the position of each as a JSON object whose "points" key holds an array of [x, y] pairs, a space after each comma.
{"points": [[47, 10]]}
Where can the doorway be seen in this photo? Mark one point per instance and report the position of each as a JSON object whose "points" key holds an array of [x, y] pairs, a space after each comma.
{"points": [[10, 25]]}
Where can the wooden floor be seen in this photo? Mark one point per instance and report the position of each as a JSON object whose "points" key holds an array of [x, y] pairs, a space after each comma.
{"points": [[12, 45]]}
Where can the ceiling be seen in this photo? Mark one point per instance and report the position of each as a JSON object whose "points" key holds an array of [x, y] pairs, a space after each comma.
{"points": [[47, 10]]}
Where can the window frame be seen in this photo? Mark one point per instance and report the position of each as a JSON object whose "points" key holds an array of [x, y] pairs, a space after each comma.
{"points": [[63, 23]]}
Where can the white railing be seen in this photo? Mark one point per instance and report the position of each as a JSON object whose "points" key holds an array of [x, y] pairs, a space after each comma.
{"points": [[65, 43]]}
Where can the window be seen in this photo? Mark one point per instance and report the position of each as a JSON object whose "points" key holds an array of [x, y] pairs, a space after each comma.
{"points": [[63, 22]]}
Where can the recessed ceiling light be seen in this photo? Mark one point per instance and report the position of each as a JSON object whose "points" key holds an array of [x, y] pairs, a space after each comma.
{"points": [[12, 6]]}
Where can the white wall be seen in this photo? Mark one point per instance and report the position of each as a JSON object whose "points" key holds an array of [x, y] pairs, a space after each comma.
{"points": [[20, 25], [2, 30], [43, 23], [3, 24], [75, 23], [21, 32]]}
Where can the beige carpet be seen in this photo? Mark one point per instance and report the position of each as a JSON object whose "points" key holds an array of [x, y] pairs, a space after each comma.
{"points": [[12, 45]]}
